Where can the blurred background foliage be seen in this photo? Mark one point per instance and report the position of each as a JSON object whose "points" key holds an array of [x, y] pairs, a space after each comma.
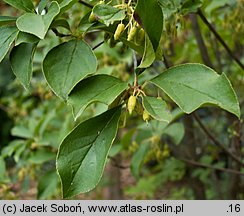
{"points": [[147, 161]]}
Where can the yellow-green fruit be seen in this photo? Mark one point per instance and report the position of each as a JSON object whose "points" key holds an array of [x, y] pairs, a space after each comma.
{"points": [[166, 151], [155, 139], [92, 17], [146, 116], [119, 31], [159, 155], [131, 104], [159, 98], [132, 34]]}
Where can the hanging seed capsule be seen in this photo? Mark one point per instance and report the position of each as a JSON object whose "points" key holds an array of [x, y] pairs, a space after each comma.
{"points": [[159, 155], [131, 104], [132, 34], [119, 31], [159, 98], [146, 116], [92, 18]]}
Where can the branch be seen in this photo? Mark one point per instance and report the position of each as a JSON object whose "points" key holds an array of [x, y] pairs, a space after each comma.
{"points": [[200, 42], [219, 38], [215, 141], [195, 163], [98, 45], [85, 4]]}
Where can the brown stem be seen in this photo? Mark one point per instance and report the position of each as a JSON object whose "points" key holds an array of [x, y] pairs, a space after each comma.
{"points": [[98, 45], [85, 4], [195, 163], [219, 38], [215, 141], [200, 42]]}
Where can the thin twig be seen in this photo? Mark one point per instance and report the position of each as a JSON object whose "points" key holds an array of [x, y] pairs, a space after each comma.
{"points": [[215, 141], [135, 66], [219, 38], [200, 42], [195, 163], [86, 4], [98, 45]]}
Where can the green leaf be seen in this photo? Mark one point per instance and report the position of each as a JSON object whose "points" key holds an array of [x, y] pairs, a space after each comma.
{"points": [[26, 38], [41, 156], [12, 147], [150, 16], [99, 88], [60, 23], [21, 59], [108, 14], [138, 158], [82, 154], [175, 131], [21, 131], [25, 5], [67, 64], [66, 4], [157, 108], [8, 34], [4, 20], [2, 169], [148, 55], [191, 86], [41, 6], [47, 185], [84, 24], [38, 24], [191, 6]]}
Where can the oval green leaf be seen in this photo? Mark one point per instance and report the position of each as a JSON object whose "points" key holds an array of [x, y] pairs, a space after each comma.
{"points": [[26, 38], [108, 14], [157, 108], [99, 88], [25, 5], [191, 86], [66, 4], [138, 158], [151, 18], [175, 131], [8, 34], [83, 153], [67, 64], [36, 24], [148, 55], [4, 20], [21, 59], [47, 185]]}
